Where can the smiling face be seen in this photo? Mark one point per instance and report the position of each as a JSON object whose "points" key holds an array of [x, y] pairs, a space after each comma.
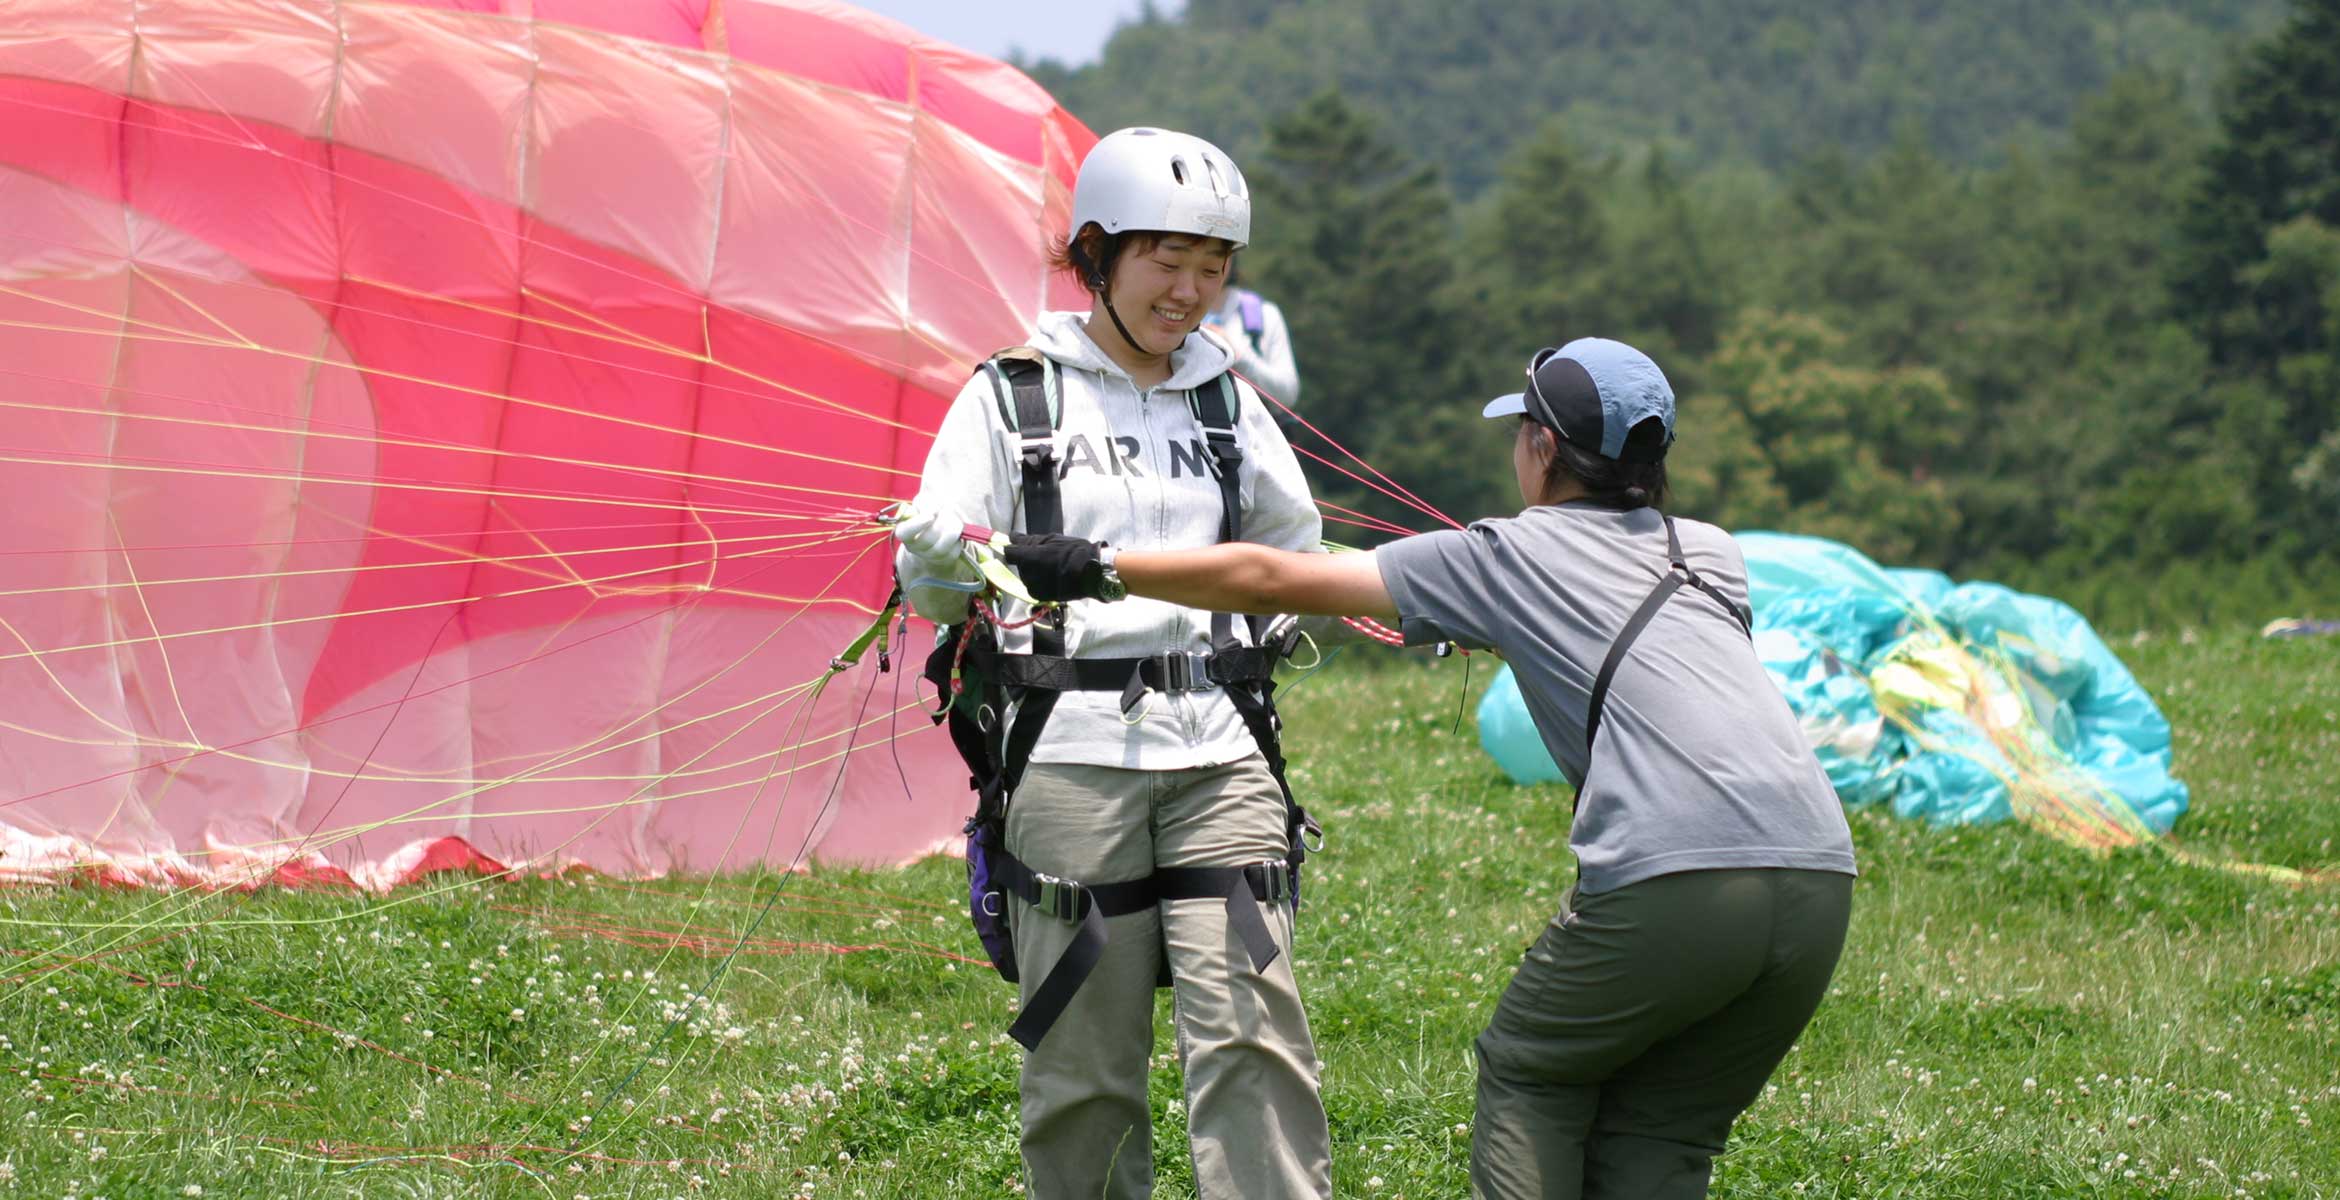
{"points": [[1163, 291]]}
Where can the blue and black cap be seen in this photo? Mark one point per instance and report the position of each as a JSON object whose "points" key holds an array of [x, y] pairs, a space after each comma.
{"points": [[1598, 395]]}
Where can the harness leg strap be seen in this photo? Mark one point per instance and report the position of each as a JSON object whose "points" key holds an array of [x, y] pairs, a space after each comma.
{"points": [[1247, 890], [1243, 915], [1085, 905], [1064, 979]]}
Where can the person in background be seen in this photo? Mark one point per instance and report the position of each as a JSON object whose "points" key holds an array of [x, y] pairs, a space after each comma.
{"points": [[1253, 328]]}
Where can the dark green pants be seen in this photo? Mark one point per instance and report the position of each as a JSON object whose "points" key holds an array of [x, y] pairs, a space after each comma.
{"points": [[1641, 1024]]}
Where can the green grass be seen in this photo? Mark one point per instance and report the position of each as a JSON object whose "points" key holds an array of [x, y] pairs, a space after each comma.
{"points": [[2012, 1019]]}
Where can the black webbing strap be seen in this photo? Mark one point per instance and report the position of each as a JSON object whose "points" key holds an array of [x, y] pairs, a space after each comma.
{"points": [[1216, 410], [1641, 617], [1043, 504], [1745, 618], [1245, 890], [1214, 407], [1257, 707], [1036, 458], [1679, 573], [1015, 751], [1160, 672], [1024, 400], [1086, 905]]}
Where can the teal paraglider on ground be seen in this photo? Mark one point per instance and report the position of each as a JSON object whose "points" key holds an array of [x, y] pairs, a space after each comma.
{"points": [[1953, 703]]}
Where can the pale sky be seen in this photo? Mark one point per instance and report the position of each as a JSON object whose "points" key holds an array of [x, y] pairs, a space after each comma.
{"points": [[1071, 31]]}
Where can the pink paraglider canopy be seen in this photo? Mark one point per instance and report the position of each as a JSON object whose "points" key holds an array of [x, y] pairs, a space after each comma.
{"points": [[445, 433]]}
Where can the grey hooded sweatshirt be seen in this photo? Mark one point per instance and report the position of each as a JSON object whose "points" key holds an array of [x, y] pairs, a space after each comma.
{"points": [[1131, 473]]}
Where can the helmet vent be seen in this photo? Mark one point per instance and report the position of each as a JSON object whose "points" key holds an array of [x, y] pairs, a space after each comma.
{"points": [[1178, 170]]}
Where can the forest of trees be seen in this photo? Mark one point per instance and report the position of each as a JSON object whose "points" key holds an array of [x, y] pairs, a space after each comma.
{"points": [[2046, 294]]}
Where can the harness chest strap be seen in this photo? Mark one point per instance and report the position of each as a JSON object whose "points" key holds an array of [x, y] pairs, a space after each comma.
{"points": [[1032, 389], [1025, 381]]}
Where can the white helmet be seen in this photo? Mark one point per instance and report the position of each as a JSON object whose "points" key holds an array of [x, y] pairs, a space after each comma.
{"points": [[1163, 181]]}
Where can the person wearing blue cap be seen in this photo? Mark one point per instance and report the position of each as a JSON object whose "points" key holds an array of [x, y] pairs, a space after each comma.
{"points": [[1714, 864]]}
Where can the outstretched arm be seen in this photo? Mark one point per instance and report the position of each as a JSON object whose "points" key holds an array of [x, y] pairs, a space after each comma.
{"points": [[1242, 577], [1235, 577]]}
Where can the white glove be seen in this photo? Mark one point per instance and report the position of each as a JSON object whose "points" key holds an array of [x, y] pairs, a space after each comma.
{"points": [[932, 537]]}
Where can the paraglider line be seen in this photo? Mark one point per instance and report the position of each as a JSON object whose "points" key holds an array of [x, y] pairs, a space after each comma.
{"points": [[792, 396], [893, 737], [795, 764], [1350, 516], [910, 248], [176, 467], [316, 429], [466, 390], [132, 930], [417, 606], [788, 540], [1405, 498], [470, 679], [373, 534], [170, 676], [1400, 494], [422, 663], [353, 714], [835, 786], [250, 886]]}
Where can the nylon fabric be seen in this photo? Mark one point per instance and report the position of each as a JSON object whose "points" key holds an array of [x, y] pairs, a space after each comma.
{"points": [[416, 460]]}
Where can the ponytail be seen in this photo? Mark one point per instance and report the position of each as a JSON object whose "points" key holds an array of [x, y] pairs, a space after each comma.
{"points": [[1606, 481]]}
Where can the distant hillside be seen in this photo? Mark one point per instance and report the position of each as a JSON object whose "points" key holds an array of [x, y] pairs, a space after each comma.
{"points": [[1762, 81]]}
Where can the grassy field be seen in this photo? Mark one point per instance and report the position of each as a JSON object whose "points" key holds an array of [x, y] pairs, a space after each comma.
{"points": [[2012, 1018]]}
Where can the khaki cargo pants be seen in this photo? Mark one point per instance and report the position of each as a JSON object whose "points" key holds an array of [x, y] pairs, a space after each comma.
{"points": [[1641, 1024], [1255, 1121]]}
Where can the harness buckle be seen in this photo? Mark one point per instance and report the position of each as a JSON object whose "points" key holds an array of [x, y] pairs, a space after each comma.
{"points": [[1064, 899], [1282, 636], [1185, 672]]}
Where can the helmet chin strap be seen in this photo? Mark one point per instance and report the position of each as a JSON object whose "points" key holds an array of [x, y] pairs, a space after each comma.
{"points": [[1099, 284], [1122, 329]]}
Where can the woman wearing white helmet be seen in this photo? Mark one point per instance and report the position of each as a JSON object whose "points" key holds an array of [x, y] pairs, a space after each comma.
{"points": [[1132, 824]]}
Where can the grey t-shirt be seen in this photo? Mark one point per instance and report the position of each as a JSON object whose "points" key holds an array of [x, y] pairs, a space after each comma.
{"points": [[1700, 764]]}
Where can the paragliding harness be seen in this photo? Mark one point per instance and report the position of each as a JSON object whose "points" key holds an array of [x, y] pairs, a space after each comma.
{"points": [[981, 684], [1677, 575]]}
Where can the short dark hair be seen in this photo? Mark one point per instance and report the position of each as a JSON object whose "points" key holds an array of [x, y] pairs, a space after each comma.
{"points": [[1091, 253], [1606, 481]]}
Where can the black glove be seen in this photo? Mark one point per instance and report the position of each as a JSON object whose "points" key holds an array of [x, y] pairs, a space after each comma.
{"points": [[1056, 567]]}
